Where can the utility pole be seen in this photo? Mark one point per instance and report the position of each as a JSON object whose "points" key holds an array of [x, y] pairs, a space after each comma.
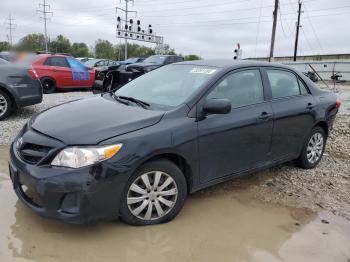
{"points": [[44, 11], [297, 33], [273, 30], [126, 11], [11, 26]]}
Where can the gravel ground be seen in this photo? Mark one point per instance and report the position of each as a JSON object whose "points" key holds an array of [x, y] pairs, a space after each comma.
{"points": [[326, 187]]}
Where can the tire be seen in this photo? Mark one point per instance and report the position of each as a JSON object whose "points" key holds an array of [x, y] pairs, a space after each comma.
{"points": [[6, 105], [154, 200], [311, 156], [49, 85]]}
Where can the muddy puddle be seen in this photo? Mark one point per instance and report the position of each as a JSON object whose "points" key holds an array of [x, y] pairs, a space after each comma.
{"points": [[214, 226]]}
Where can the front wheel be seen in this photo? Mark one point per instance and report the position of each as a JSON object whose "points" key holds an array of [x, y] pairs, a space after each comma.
{"points": [[6, 106], [154, 194], [313, 149]]}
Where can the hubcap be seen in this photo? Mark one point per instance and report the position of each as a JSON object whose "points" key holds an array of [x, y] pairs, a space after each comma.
{"points": [[3, 105], [152, 195], [315, 148]]}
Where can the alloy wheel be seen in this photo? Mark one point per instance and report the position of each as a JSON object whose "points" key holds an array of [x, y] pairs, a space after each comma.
{"points": [[3, 105], [315, 148], [152, 195]]}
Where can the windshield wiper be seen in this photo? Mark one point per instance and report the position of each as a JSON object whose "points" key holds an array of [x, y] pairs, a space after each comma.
{"points": [[136, 101], [118, 98]]}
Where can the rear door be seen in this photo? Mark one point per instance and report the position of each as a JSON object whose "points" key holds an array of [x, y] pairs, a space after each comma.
{"points": [[240, 140], [58, 68], [82, 76], [293, 108]]}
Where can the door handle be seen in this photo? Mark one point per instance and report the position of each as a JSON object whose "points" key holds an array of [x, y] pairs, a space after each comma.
{"points": [[310, 106], [264, 116]]}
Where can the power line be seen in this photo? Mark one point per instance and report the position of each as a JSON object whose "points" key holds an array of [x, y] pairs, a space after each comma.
{"points": [[313, 29], [11, 26], [258, 28], [44, 11]]}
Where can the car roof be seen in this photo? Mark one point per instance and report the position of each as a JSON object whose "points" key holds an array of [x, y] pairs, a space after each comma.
{"points": [[231, 63]]}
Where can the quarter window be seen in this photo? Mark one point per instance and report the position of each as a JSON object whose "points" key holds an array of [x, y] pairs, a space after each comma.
{"points": [[283, 83], [242, 88]]}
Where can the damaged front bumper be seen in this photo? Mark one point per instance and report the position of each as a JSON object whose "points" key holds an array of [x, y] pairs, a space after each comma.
{"points": [[78, 196]]}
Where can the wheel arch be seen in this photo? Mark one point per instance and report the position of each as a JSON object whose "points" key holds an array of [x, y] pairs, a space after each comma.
{"points": [[324, 126], [10, 95], [179, 161]]}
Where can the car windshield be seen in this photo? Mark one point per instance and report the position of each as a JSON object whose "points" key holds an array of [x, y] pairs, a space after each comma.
{"points": [[3, 61], [91, 62], [168, 86], [155, 59], [132, 60]]}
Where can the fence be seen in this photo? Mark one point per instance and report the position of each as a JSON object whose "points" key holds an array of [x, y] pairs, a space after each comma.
{"points": [[324, 68]]}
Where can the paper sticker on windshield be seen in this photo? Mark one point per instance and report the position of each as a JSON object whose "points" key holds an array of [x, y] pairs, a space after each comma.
{"points": [[207, 71]]}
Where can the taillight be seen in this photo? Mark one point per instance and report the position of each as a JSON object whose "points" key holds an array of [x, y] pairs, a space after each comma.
{"points": [[337, 103], [33, 74]]}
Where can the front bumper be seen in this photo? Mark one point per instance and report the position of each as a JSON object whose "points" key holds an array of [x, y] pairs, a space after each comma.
{"points": [[77, 196]]}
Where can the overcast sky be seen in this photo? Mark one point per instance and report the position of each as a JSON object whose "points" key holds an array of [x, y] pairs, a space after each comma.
{"points": [[205, 27]]}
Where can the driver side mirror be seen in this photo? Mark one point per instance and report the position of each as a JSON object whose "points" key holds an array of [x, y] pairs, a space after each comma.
{"points": [[217, 106]]}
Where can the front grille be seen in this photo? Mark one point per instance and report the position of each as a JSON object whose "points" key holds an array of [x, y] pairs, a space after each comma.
{"points": [[32, 153]]}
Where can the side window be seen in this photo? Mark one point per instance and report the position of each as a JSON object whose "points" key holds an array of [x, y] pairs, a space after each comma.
{"points": [[48, 61], [179, 59], [303, 88], [56, 61], [170, 60], [241, 88], [283, 83]]}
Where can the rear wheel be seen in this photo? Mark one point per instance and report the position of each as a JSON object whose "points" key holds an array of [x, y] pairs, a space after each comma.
{"points": [[49, 85], [154, 194], [313, 149], [6, 105]]}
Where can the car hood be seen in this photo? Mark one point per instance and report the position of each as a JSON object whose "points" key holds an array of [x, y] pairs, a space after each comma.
{"points": [[90, 121]]}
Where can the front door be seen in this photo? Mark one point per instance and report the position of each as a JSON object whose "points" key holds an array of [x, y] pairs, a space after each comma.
{"points": [[240, 140]]}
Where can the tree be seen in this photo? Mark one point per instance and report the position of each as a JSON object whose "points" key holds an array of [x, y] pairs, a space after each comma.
{"points": [[192, 57], [31, 43], [4, 46], [104, 49], [134, 50], [60, 44], [168, 51], [79, 50]]}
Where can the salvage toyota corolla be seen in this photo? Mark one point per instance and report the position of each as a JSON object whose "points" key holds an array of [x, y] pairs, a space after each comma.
{"points": [[136, 153]]}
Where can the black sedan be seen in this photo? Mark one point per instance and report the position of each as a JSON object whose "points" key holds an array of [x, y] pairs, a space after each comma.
{"points": [[19, 87], [137, 153]]}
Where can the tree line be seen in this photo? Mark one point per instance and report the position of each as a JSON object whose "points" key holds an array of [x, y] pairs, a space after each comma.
{"points": [[101, 49]]}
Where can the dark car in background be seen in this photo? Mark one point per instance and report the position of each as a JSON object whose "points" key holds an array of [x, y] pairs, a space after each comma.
{"points": [[132, 60], [154, 62], [113, 77], [100, 63], [19, 87], [138, 152]]}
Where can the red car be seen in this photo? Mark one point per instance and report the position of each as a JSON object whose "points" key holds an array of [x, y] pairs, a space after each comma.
{"points": [[60, 72]]}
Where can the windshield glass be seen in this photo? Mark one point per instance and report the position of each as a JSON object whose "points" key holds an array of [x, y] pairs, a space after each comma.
{"points": [[3, 61], [132, 60], [91, 62], [155, 59], [168, 86]]}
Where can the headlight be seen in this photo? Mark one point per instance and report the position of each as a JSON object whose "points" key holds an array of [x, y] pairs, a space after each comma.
{"points": [[75, 157]]}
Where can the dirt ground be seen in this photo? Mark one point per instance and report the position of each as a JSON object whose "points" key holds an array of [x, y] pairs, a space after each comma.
{"points": [[224, 223]]}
